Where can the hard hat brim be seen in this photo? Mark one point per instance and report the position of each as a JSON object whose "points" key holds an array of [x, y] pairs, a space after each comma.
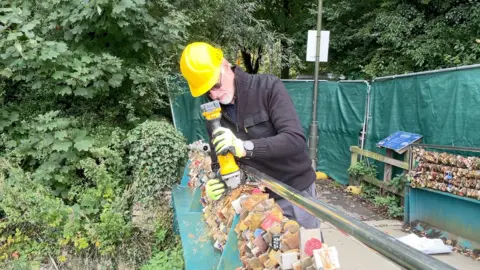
{"points": [[200, 91]]}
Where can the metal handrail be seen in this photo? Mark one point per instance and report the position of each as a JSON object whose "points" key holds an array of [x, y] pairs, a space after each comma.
{"points": [[393, 249]]}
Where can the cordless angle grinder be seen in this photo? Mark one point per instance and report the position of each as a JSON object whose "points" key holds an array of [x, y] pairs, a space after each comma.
{"points": [[230, 172]]}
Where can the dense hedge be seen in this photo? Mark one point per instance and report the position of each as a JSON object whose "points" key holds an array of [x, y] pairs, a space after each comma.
{"points": [[85, 136]]}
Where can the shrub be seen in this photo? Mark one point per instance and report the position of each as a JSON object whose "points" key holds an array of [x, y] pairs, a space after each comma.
{"points": [[74, 77], [63, 187], [156, 152]]}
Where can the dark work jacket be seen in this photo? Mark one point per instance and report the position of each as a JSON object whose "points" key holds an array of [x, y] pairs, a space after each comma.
{"points": [[265, 115]]}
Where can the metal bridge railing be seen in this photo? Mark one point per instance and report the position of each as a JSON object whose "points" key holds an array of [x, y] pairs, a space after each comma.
{"points": [[393, 249]]}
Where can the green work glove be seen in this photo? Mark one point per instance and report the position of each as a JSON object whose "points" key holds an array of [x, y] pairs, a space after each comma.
{"points": [[224, 140], [215, 188]]}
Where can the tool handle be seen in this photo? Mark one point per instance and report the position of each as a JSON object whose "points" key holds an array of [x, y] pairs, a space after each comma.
{"points": [[215, 124]]}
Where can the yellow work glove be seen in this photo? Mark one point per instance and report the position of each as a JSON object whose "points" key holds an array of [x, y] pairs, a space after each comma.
{"points": [[214, 188], [224, 140]]}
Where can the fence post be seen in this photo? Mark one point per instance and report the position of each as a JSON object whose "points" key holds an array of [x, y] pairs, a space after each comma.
{"points": [[353, 162]]}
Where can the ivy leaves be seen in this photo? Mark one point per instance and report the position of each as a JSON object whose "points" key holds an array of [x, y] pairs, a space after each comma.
{"points": [[156, 150]]}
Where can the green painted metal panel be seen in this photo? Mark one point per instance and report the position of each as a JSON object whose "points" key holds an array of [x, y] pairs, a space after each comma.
{"points": [[198, 249], [185, 178], [231, 255], [447, 212]]}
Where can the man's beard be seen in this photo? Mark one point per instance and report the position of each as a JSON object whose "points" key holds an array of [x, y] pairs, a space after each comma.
{"points": [[227, 99]]}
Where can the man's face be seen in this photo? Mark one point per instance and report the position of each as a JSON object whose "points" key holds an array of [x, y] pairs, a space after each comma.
{"points": [[223, 90]]}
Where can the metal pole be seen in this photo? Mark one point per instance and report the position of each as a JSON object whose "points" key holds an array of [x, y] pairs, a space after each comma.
{"points": [[367, 112], [171, 110], [313, 140], [171, 104], [270, 60], [447, 147], [384, 244], [426, 72]]}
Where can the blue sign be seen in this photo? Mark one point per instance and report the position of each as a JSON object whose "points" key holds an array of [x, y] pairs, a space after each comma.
{"points": [[399, 140]]}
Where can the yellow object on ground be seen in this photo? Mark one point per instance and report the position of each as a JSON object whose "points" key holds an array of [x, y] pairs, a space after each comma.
{"points": [[321, 176], [354, 189]]}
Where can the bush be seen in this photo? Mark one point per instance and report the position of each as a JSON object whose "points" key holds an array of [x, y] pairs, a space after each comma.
{"points": [[363, 167], [163, 260], [63, 187], [156, 152], [75, 76], [66, 191], [101, 61]]}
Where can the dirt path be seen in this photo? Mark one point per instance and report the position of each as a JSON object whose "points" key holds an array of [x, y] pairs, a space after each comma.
{"points": [[334, 194]]}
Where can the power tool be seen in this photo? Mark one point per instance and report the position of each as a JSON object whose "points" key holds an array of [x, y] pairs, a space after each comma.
{"points": [[229, 170]]}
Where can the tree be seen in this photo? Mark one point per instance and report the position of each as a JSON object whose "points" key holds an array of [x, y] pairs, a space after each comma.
{"points": [[291, 19], [234, 26], [375, 38], [91, 58]]}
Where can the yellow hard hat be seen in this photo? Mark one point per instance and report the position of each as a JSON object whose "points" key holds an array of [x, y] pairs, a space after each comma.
{"points": [[200, 65]]}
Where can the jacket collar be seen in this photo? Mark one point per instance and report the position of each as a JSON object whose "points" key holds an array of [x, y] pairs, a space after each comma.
{"points": [[242, 80]]}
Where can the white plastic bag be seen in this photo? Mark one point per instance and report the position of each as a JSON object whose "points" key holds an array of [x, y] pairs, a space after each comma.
{"points": [[425, 245]]}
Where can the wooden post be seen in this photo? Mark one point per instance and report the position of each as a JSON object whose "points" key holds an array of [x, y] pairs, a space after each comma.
{"points": [[353, 162], [387, 171], [406, 158], [389, 161]]}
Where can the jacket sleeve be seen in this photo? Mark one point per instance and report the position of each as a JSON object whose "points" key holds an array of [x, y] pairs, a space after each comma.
{"points": [[290, 139]]}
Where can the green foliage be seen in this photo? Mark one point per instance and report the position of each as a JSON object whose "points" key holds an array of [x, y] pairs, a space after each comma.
{"points": [[377, 38], [156, 152], [75, 78], [104, 60], [31, 211], [363, 168], [293, 19], [167, 250], [368, 38], [369, 191], [169, 259], [238, 27], [398, 182], [391, 203], [71, 187]]}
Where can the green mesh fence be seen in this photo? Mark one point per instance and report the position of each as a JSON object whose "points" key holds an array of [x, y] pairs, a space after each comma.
{"points": [[443, 107], [188, 118], [340, 115], [301, 93]]}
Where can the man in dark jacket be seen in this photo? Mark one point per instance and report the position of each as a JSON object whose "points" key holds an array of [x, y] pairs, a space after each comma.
{"points": [[258, 120]]}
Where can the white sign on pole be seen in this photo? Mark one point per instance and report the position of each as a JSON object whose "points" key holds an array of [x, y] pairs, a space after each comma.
{"points": [[312, 43]]}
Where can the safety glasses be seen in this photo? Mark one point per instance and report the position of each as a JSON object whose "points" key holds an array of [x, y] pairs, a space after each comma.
{"points": [[219, 83]]}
